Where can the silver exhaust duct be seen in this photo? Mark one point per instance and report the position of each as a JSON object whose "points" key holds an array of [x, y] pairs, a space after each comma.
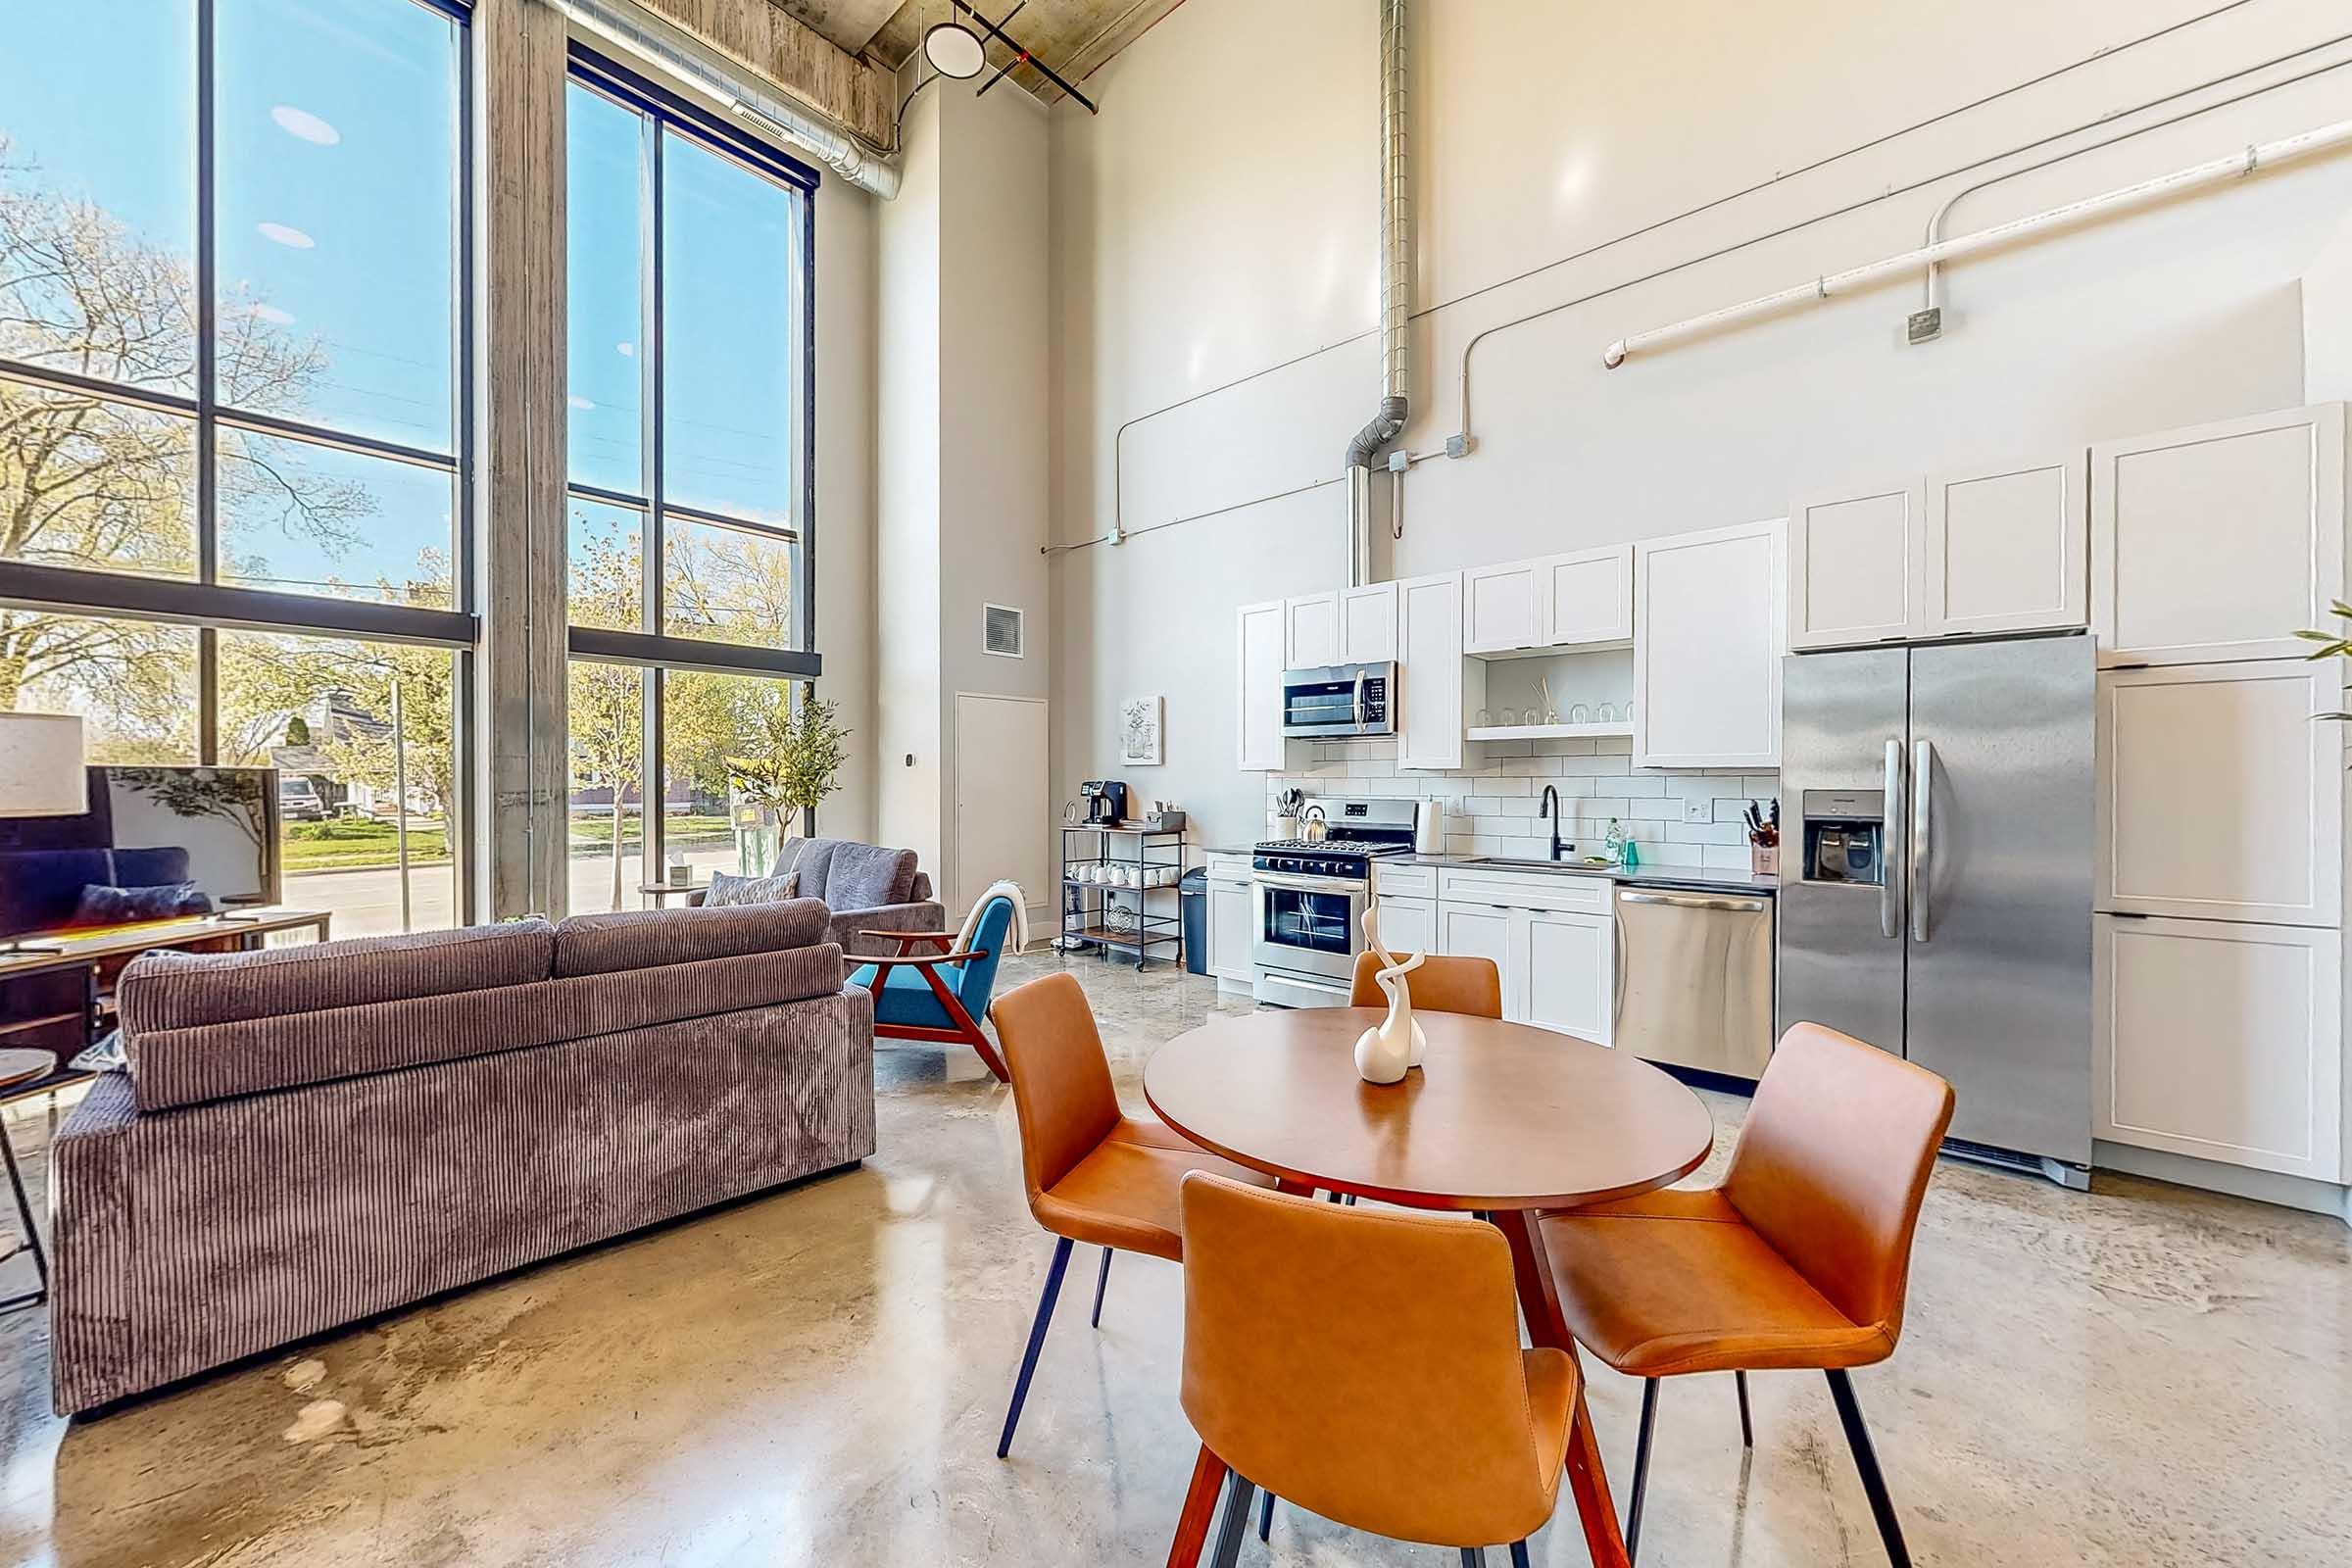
{"points": [[632, 30], [1396, 295]]}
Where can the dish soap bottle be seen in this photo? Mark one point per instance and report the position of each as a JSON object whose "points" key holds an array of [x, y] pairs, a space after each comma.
{"points": [[1617, 840]]}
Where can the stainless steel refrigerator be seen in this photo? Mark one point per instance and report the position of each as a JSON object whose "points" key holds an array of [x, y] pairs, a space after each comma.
{"points": [[1936, 881]]}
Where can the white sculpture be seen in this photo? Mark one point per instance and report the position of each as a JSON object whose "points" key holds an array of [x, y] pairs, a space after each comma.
{"points": [[1384, 1055]]}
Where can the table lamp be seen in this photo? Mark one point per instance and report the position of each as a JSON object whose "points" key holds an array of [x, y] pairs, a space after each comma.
{"points": [[41, 774]]}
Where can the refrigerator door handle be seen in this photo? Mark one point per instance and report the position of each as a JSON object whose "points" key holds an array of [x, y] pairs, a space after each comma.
{"points": [[1922, 816], [1891, 859]]}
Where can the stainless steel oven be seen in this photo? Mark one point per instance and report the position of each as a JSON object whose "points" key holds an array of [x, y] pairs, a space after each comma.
{"points": [[1307, 926], [1340, 700]]}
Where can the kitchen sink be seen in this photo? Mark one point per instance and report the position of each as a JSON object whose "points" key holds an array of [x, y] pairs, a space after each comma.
{"points": [[1501, 863]]}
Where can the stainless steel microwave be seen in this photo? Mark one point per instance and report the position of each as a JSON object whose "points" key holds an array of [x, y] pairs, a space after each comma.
{"points": [[1340, 700]]}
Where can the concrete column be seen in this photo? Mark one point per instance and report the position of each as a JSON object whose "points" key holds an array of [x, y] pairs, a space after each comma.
{"points": [[522, 775]]}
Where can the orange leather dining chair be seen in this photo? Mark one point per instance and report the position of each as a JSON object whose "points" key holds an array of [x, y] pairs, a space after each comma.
{"points": [[1798, 1260], [1094, 1173], [1442, 984], [1364, 1364]]}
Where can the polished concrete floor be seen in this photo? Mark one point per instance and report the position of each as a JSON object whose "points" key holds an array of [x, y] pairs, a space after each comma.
{"points": [[2141, 1376]]}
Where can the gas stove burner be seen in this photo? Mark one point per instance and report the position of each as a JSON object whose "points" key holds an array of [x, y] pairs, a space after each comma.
{"points": [[1333, 847]]}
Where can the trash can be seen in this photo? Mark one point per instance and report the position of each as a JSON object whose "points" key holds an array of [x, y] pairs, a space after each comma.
{"points": [[1191, 906]]}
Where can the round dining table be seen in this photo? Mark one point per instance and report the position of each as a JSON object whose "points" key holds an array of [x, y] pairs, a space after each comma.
{"points": [[1503, 1120]]}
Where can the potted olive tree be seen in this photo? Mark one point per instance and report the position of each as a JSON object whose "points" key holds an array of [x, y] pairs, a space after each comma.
{"points": [[800, 752]]}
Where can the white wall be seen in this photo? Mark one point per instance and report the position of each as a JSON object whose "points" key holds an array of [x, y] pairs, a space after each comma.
{"points": [[1219, 217], [962, 449], [845, 284]]}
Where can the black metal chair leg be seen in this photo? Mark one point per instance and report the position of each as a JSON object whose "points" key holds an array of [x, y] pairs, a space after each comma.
{"points": [[1633, 1506], [1474, 1557], [1265, 1519], [32, 1231], [1037, 1341], [1519, 1554], [1866, 1460], [1748, 1428], [1101, 1284], [1237, 1523]]}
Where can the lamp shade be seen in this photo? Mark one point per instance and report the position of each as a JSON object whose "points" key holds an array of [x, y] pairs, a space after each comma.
{"points": [[41, 766]]}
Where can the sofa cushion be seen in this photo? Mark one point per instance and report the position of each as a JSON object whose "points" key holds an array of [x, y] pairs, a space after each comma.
{"points": [[640, 939], [868, 876], [726, 891], [107, 904], [176, 1067], [186, 990]]}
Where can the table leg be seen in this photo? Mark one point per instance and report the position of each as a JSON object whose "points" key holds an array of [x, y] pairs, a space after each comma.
{"points": [[1539, 1300], [1283, 1184], [1199, 1508]]}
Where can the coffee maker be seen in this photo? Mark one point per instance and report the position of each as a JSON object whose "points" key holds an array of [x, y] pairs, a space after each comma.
{"points": [[1106, 801]]}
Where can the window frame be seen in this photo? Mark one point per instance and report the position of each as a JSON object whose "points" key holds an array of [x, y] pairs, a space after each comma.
{"points": [[211, 605], [668, 114]]}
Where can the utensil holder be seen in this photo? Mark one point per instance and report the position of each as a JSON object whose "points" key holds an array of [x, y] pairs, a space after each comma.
{"points": [[1764, 859]]}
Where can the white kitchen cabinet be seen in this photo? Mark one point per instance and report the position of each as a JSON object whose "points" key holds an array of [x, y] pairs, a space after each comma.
{"points": [[1854, 569], [1367, 619], [1570, 974], [2006, 548], [1310, 637], [1708, 646], [1230, 931], [1585, 598], [1259, 665], [1408, 926], [2219, 1041], [1437, 685], [2220, 795], [2217, 542], [1498, 608], [1484, 931]]}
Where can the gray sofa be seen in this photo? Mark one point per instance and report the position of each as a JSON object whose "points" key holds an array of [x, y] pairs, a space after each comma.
{"points": [[309, 1136], [867, 888]]}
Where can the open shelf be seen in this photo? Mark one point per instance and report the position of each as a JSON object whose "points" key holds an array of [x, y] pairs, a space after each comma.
{"points": [[1546, 732]]}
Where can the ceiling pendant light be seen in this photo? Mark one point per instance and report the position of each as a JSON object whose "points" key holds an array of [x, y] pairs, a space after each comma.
{"points": [[954, 50]]}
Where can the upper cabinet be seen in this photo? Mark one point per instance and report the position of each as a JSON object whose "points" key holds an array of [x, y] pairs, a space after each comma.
{"points": [[1261, 662], [2006, 550], [1310, 636], [1853, 566], [1558, 601], [1961, 554], [1436, 682], [1368, 621], [2217, 542], [1707, 654]]}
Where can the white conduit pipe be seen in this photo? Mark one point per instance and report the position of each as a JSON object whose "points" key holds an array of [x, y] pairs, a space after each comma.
{"points": [[2326, 138]]}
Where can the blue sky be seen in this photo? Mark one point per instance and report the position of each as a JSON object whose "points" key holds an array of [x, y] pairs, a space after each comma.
{"points": [[336, 172]]}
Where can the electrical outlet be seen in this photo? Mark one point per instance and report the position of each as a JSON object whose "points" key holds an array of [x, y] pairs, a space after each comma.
{"points": [[1698, 811]]}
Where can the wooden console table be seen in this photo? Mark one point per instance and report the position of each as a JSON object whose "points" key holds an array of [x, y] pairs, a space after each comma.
{"points": [[98, 954]]}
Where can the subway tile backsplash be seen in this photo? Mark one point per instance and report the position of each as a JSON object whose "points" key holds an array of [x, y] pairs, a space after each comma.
{"points": [[1492, 810]]}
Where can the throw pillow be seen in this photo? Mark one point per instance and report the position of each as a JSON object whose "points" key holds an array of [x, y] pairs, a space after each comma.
{"points": [[112, 906], [728, 890]]}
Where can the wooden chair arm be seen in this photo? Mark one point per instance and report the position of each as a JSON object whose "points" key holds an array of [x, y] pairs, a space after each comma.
{"points": [[906, 939], [920, 959]]}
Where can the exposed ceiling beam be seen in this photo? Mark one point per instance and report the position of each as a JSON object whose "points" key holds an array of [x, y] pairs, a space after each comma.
{"points": [[762, 37]]}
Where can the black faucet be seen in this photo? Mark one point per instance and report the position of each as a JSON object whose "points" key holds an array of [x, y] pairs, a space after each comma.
{"points": [[1551, 809]]}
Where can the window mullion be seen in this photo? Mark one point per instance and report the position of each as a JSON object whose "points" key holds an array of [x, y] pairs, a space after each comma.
{"points": [[208, 497]]}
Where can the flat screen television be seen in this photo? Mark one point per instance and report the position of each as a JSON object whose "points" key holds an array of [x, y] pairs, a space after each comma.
{"points": [[147, 828]]}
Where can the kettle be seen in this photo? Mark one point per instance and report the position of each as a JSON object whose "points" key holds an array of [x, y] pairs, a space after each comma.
{"points": [[1314, 827]]}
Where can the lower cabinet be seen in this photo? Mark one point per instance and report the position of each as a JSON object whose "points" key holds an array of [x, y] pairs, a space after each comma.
{"points": [[1560, 968], [1408, 926], [1230, 931], [2219, 1039], [1570, 974]]}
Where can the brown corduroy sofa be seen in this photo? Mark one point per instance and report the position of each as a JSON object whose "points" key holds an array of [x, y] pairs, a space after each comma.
{"points": [[309, 1136]]}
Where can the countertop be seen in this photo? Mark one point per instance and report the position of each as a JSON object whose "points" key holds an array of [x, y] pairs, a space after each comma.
{"points": [[1647, 876]]}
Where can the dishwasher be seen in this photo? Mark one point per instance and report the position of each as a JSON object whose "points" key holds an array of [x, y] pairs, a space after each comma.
{"points": [[1694, 979]]}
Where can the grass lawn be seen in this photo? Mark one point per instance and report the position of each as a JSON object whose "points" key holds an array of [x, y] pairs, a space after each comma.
{"points": [[685, 832], [356, 844]]}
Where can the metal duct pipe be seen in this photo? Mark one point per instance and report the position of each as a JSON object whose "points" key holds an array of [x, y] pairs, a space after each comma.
{"points": [[1396, 295], [630, 30]]}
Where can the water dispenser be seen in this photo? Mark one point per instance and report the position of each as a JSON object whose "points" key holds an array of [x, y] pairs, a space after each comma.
{"points": [[1845, 836]]}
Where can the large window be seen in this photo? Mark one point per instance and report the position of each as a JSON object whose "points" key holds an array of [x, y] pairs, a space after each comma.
{"points": [[232, 333], [688, 360]]}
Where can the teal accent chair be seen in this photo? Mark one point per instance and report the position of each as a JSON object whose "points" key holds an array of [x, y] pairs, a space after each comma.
{"points": [[939, 996]]}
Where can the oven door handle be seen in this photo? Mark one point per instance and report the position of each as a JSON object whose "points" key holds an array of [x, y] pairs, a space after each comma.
{"points": [[1306, 884]]}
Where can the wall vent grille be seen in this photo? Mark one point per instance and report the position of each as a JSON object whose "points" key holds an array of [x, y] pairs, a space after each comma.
{"points": [[1004, 631]]}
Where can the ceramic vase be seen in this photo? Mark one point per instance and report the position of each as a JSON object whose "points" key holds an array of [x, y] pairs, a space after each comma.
{"points": [[1386, 1052]]}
